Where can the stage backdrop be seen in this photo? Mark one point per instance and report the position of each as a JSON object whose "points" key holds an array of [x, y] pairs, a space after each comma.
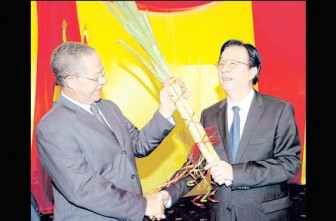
{"points": [[190, 35]]}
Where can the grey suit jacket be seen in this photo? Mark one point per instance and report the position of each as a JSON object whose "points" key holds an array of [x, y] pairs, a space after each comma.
{"points": [[94, 175], [268, 156]]}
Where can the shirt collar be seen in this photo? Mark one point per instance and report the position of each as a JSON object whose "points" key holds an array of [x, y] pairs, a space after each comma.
{"points": [[84, 106], [245, 103]]}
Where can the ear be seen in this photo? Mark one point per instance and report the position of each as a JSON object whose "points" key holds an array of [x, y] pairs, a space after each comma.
{"points": [[70, 82], [253, 72]]}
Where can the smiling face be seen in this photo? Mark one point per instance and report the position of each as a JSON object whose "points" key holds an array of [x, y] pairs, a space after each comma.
{"points": [[234, 73], [86, 87]]}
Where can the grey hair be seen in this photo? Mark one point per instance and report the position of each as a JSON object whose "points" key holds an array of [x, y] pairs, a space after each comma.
{"points": [[67, 59]]}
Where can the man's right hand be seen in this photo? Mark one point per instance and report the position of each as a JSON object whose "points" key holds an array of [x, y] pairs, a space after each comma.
{"points": [[220, 171], [155, 206], [165, 198]]}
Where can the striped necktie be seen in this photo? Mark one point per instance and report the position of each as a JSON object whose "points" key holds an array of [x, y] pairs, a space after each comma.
{"points": [[97, 114]]}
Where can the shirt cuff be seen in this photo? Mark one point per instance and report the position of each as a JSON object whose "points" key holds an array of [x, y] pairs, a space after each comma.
{"points": [[171, 120], [168, 204]]}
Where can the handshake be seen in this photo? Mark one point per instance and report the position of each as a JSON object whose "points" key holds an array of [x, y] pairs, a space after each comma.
{"points": [[156, 203]]}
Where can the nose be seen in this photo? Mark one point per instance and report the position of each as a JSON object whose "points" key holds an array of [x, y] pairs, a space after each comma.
{"points": [[223, 68]]}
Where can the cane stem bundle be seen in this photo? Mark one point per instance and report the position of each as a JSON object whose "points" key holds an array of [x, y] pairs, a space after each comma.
{"points": [[136, 23]]}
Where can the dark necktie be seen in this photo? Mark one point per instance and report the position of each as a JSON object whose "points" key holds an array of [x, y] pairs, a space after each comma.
{"points": [[235, 132], [97, 114]]}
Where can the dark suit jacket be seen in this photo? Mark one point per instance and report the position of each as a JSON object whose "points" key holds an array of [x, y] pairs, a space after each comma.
{"points": [[94, 175], [268, 156]]}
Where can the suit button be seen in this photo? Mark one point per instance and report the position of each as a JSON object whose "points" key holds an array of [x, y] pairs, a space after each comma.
{"points": [[133, 176], [125, 152]]}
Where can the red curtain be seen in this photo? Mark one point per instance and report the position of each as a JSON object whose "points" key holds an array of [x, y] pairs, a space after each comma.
{"points": [[280, 36], [50, 16]]}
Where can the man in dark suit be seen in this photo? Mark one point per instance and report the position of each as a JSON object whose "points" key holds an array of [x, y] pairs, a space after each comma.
{"points": [[268, 149], [92, 164]]}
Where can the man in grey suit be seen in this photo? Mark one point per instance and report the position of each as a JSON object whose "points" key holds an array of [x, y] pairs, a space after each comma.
{"points": [[92, 166], [268, 150]]}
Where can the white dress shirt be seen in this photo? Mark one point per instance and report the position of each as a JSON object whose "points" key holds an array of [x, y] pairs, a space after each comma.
{"points": [[244, 106]]}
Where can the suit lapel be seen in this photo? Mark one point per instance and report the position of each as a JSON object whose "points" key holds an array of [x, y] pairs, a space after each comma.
{"points": [[251, 123], [89, 120], [223, 129], [110, 116], [121, 133]]}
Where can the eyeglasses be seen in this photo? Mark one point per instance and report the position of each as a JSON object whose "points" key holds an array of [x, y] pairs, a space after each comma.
{"points": [[100, 75], [231, 63]]}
